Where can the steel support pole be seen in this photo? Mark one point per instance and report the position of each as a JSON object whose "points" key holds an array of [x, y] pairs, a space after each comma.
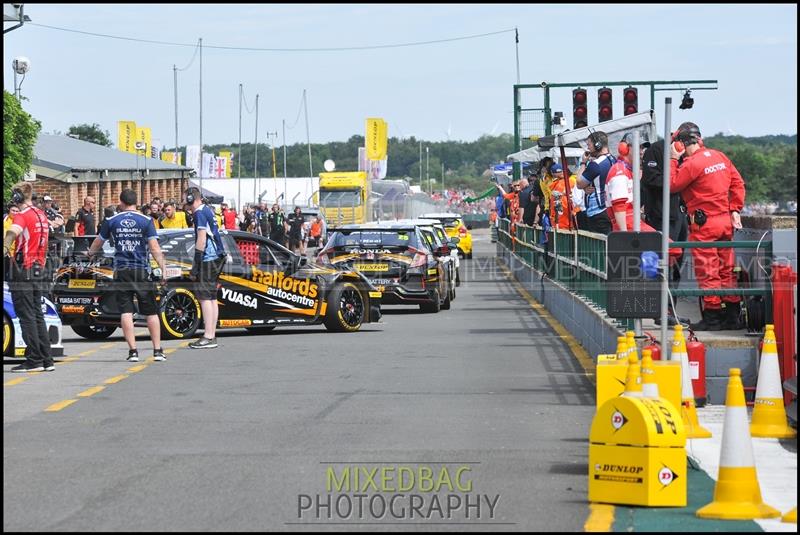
{"points": [[665, 225], [637, 202]]}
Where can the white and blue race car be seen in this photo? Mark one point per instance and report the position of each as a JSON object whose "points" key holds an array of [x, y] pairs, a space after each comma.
{"points": [[13, 345]]}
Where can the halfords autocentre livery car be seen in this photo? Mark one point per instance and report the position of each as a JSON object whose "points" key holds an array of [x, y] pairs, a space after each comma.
{"points": [[395, 258], [13, 345], [262, 285]]}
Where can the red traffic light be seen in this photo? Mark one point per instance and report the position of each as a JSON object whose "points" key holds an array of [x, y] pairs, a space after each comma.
{"points": [[604, 104], [631, 100], [579, 111]]}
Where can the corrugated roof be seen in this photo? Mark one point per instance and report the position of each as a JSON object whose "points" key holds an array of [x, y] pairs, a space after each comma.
{"points": [[62, 152]]}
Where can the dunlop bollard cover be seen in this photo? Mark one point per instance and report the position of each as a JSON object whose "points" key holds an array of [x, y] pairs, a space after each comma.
{"points": [[637, 454], [610, 373]]}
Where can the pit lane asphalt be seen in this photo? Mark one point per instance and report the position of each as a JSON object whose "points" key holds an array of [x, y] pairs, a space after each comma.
{"points": [[227, 439]]}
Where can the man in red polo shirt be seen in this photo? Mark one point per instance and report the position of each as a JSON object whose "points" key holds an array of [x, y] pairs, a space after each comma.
{"points": [[29, 230]]}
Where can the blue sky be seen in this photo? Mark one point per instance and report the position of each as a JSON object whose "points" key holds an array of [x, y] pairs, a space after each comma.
{"points": [[456, 90]]}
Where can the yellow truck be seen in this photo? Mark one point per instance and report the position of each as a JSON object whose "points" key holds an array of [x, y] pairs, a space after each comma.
{"points": [[344, 198]]}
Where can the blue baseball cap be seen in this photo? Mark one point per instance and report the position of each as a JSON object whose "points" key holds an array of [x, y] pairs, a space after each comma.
{"points": [[555, 168]]}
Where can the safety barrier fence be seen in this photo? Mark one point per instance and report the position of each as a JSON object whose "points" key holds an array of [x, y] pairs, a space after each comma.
{"points": [[577, 260]]}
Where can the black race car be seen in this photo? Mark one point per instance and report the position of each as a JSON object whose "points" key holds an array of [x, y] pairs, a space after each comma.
{"points": [[262, 285], [396, 258]]}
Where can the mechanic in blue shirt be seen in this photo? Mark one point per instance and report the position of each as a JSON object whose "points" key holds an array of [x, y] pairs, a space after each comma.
{"points": [[592, 180], [209, 259], [133, 233]]}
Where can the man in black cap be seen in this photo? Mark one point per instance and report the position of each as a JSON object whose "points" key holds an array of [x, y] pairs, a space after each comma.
{"points": [[652, 191]]}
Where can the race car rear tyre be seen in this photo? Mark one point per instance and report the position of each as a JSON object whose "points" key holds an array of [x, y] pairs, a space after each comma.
{"points": [[434, 306], [458, 277], [8, 337], [346, 309], [94, 331], [447, 299], [260, 329], [469, 256], [180, 314]]}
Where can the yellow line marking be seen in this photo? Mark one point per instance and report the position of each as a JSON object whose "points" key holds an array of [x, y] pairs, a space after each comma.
{"points": [[68, 360], [170, 350], [150, 359], [138, 368], [106, 346], [115, 379], [580, 354], [601, 518], [16, 381], [185, 344], [55, 407], [85, 353], [92, 391]]}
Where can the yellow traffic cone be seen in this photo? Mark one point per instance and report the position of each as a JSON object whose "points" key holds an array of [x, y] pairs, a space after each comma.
{"points": [[622, 348], [688, 407], [633, 379], [790, 517], [769, 413], [737, 494], [631, 341], [649, 385]]}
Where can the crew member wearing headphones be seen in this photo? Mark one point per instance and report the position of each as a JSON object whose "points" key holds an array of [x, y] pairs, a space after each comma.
{"points": [[592, 180], [29, 230], [209, 259], [713, 191]]}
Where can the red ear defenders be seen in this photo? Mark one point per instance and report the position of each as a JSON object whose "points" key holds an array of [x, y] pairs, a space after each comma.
{"points": [[624, 148], [679, 146]]}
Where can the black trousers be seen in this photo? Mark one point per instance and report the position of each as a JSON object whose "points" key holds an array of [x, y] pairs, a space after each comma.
{"points": [[27, 299], [599, 223]]}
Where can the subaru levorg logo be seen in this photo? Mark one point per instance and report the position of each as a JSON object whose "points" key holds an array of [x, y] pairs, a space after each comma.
{"points": [[128, 223]]}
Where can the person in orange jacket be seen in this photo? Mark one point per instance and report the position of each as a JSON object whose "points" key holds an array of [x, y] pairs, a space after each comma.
{"points": [[559, 208], [714, 192]]}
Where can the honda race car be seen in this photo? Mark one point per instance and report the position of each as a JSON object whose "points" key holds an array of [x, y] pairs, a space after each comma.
{"points": [[262, 285], [13, 345], [396, 258], [455, 227]]}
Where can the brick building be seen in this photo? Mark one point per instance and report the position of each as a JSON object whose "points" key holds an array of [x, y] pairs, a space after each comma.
{"points": [[69, 169]]}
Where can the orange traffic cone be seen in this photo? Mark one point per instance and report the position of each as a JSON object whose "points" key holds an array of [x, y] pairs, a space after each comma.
{"points": [[769, 413], [688, 407], [791, 516], [737, 495], [633, 379], [649, 385]]}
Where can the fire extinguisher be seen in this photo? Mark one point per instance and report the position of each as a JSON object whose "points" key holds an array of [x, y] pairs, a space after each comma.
{"points": [[697, 367], [655, 349]]}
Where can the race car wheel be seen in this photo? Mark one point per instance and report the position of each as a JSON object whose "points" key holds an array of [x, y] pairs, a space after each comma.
{"points": [[434, 306], [8, 337], [458, 277], [180, 313], [94, 331], [469, 256], [447, 299], [345, 309]]}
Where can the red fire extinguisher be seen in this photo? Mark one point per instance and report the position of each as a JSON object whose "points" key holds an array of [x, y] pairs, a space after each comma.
{"points": [[655, 349], [697, 367]]}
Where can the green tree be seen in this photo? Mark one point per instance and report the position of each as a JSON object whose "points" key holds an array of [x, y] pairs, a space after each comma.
{"points": [[91, 133], [20, 131]]}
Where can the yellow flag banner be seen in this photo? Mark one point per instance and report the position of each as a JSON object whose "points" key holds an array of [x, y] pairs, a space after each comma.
{"points": [[145, 134], [172, 157], [376, 138], [126, 136], [228, 159]]}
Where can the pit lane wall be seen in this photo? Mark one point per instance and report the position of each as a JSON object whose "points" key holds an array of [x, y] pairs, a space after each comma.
{"points": [[588, 322]]}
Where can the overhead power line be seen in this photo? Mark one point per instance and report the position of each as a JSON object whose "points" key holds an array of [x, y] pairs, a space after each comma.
{"points": [[258, 49]]}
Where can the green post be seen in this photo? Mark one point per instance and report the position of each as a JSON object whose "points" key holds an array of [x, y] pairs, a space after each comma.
{"points": [[517, 144], [548, 126], [652, 97]]}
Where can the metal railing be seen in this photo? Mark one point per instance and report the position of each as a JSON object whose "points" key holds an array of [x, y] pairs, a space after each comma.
{"points": [[577, 260]]}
